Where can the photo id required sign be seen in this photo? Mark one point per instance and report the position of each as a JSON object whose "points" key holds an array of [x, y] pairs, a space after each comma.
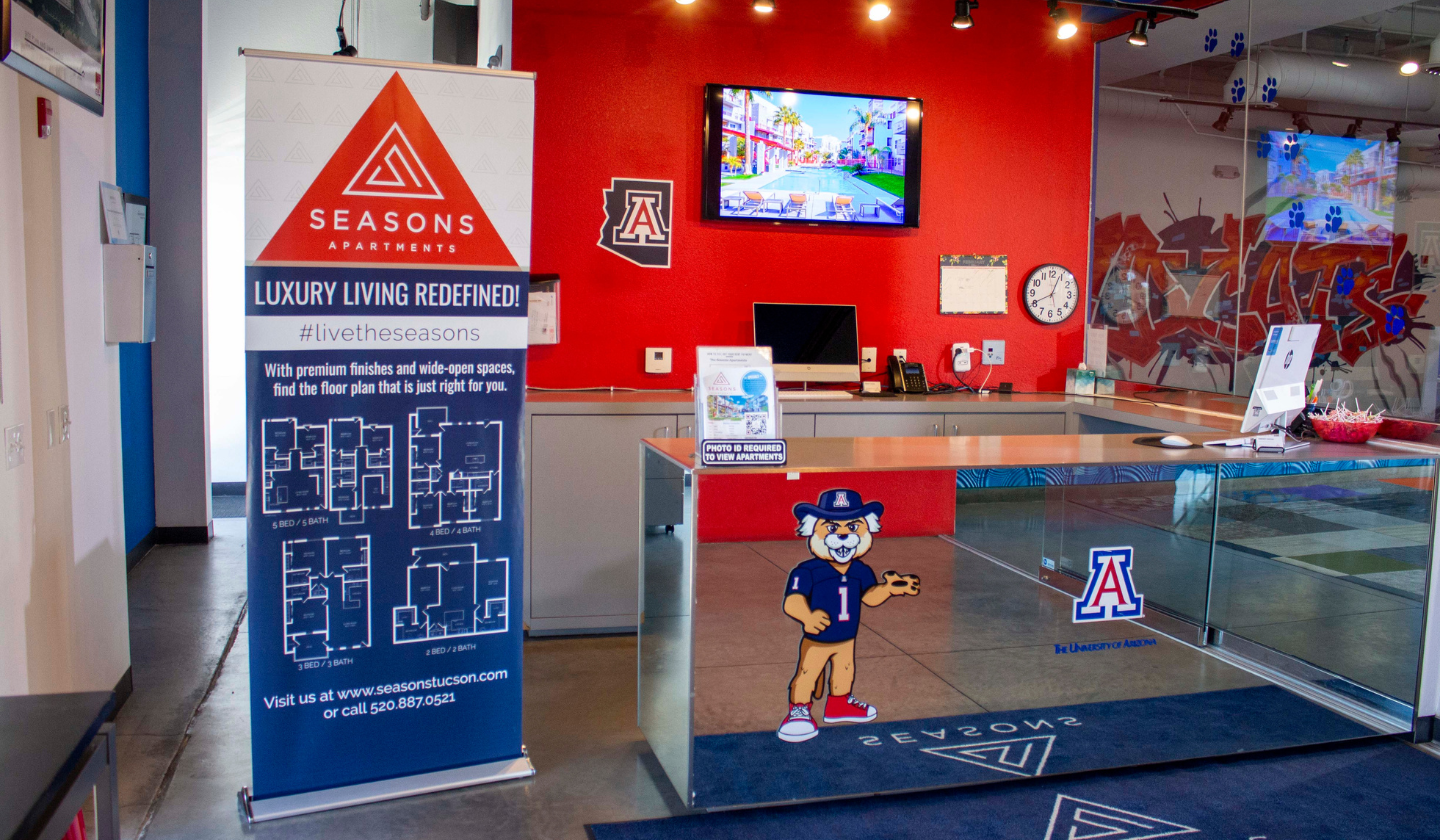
{"points": [[747, 453]]}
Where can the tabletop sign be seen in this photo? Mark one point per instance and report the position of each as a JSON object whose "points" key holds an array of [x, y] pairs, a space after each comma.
{"points": [[742, 453]]}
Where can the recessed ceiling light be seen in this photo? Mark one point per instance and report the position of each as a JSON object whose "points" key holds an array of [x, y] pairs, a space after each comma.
{"points": [[1410, 68], [879, 11]]}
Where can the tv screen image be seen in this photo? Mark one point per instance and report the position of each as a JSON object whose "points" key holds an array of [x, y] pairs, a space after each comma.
{"points": [[808, 157], [1329, 189]]}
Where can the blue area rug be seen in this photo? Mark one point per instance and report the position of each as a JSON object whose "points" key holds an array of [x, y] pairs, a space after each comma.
{"points": [[1375, 791], [753, 768]]}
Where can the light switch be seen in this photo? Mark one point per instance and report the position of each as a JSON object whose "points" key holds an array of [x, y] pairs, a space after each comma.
{"points": [[14, 447]]}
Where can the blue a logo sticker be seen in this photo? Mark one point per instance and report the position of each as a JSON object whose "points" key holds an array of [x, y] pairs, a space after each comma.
{"points": [[1110, 593]]}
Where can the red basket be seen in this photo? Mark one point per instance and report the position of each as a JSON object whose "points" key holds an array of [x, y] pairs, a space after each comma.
{"points": [[1337, 432], [1405, 429]]}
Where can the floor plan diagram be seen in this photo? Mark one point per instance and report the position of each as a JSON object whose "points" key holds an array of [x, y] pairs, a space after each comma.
{"points": [[327, 596], [344, 466], [451, 591], [454, 470]]}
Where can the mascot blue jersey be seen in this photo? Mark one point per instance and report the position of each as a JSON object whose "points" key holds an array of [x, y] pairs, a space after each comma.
{"points": [[838, 595]]}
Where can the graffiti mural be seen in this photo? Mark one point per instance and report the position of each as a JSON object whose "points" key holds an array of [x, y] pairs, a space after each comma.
{"points": [[1177, 295]]}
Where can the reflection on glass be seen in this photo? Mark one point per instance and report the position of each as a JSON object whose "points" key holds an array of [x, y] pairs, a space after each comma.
{"points": [[1329, 567]]}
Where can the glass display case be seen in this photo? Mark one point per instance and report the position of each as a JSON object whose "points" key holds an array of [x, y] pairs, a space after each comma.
{"points": [[1013, 607]]}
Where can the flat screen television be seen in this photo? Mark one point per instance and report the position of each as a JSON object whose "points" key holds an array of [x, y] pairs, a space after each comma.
{"points": [[1329, 189], [807, 157], [809, 342]]}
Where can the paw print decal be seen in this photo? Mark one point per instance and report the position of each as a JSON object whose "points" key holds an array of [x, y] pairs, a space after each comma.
{"points": [[1345, 280], [1269, 89], [1262, 149], [1291, 148], [1297, 216], [1333, 219], [1212, 40], [1237, 44], [1395, 320], [1237, 90]]}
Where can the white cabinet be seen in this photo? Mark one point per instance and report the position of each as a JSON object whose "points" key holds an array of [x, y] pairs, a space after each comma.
{"points": [[879, 425], [584, 512]]}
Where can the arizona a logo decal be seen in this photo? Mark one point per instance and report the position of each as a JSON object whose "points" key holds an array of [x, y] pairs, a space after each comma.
{"points": [[1110, 594], [637, 221]]}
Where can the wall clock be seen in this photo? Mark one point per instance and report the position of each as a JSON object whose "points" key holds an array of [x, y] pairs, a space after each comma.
{"points": [[1051, 293]]}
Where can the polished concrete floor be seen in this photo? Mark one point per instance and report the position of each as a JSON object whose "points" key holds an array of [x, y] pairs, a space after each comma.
{"points": [[978, 638]]}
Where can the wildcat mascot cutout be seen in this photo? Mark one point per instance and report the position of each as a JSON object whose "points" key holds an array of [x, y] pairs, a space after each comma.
{"points": [[824, 594]]}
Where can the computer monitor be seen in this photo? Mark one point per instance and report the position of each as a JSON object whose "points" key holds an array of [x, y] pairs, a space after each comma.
{"points": [[810, 342], [1279, 391]]}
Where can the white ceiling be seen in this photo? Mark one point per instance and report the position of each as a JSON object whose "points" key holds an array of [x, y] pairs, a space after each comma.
{"points": [[1178, 41]]}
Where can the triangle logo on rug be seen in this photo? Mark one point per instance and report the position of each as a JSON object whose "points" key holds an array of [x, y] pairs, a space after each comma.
{"points": [[390, 194], [1017, 756], [1077, 819]]}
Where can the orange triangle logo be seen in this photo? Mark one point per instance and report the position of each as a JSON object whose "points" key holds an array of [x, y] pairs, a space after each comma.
{"points": [[389, 194]]}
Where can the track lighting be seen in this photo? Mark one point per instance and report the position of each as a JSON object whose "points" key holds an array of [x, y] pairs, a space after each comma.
{"points": [[1410, 68], [1224, 121], [1392, 134], [1302, 125], [1138, 38], [763, 6], [1353, 130], [879, 10], [1065, 28], [962, 19]]}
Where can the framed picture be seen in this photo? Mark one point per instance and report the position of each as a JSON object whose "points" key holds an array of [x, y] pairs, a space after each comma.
{"points": [[58, 43]]}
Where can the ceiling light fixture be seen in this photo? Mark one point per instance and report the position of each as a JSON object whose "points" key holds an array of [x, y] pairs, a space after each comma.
{"points": [[1224, 121], [1138, 38], [1410, 68], [1065, 28], [1302, 124], [684, 2], [763, 6], [1338, 63], [962, 19], [879, 11], [1353, 130], [1392, 134]]}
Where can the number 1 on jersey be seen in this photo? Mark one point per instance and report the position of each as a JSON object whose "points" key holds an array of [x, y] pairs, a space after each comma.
{"points": [[844, 604]]}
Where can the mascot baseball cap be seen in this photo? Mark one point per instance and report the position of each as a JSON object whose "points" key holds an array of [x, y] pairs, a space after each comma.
{"points": [[839, 504]]}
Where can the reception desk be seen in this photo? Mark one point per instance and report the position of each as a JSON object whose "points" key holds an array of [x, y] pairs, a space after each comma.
{"points": [[1279, 601]]}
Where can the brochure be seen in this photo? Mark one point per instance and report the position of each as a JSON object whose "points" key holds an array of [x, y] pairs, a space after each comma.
{"points": [[735, 394]]}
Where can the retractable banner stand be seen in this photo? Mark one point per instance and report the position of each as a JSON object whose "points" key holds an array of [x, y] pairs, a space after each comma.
{"points": [[387, 218]]}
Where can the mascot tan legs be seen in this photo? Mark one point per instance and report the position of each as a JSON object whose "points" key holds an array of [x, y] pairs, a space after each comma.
{"points": [[810, 670]]}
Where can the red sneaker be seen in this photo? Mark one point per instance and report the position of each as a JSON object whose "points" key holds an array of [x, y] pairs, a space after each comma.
{"points": [[847, 710], [798, 725]]}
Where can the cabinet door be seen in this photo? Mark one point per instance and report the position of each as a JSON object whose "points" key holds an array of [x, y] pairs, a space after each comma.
{"points": [[1008, 423], [585, 512], [797, 425], [879, 425]]}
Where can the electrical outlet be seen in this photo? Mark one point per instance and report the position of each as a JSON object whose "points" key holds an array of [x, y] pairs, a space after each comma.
{"points": [[867, 359], [960, 356], [14, 446], [657, 359], [994, 352], [899, 353]]}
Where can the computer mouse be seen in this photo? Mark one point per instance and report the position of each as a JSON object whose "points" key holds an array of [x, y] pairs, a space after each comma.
{"points": [[1176, 441]]}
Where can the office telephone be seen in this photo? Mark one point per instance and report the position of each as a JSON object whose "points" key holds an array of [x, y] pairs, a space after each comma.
{"points": [[907, 377]]}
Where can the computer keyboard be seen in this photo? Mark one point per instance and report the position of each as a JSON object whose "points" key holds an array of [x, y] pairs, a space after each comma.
{"points": [[786, 396]]}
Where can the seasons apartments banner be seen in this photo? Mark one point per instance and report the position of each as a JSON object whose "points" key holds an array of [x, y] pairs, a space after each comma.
{"points": [[387, 219]]}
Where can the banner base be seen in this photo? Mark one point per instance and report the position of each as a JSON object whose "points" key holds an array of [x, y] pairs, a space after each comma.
{"points": [[274, 808]]}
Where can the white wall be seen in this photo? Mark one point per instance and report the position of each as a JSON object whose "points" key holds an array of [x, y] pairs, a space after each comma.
{"points": [[16, 486], [79, 640], [389, 29]]}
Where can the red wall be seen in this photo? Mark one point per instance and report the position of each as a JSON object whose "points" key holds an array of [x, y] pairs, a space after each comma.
{"points": [[1006, 170], [735, 508]]}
